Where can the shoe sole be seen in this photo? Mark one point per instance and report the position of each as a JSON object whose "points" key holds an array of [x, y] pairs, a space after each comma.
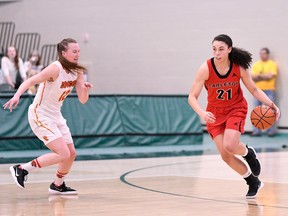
{"points": [[12, 171], [258, 161], [54, 192], [253, 197]]}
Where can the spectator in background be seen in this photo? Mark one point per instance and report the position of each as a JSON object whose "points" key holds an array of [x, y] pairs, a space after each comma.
{"points": [[32, 67], [264, 74], [13, 72], [1, 55]]}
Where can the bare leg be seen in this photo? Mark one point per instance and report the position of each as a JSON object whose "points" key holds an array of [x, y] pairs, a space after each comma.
{"points": [[63, 169], [65, 166], [234, 162], [232, 144], [60, 153]]}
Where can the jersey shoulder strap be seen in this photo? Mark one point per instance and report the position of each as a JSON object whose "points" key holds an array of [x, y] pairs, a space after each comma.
{"points": [[58, 64]]}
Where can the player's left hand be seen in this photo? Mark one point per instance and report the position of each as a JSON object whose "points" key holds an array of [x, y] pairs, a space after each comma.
{"points": [[276, 110]]}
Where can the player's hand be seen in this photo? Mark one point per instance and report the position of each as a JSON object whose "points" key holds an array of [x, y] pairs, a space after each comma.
{"points": [[208, 117], [12, 103], [276, 111], [88, 85]]}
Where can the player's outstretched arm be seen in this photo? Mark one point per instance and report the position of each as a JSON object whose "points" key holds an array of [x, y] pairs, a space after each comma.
{"points": [[50, 73], [258, 93], [82, 88], [201, 76]]}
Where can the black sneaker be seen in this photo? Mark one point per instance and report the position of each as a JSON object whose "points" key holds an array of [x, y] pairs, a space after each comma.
{"points": [[62, 189], [253, 161], [19, 175], [254, 189]]}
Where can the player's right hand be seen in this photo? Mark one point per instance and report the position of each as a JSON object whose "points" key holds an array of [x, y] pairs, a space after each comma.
{"points": [[12, 103], [208, 117]]}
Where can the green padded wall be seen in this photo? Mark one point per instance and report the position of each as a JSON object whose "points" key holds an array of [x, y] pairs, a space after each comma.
{"points": [[109, 121], [159, 120], [15, 132], [96, 123]]}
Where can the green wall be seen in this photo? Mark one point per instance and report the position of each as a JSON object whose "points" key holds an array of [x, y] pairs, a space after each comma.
{"points": [[109, 121]]}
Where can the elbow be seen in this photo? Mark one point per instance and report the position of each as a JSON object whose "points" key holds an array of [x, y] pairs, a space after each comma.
{"points": [[190, 99], [82, 96], [191, 96], [83, 101]]}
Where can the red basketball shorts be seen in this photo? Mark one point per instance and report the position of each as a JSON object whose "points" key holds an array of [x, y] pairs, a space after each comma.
{"points": [[232, 117]]}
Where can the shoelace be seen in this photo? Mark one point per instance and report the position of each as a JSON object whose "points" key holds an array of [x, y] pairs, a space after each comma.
{"points": [[67, 188]]}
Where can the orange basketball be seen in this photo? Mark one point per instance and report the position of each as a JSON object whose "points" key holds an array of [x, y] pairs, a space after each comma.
{"points": [[262, 117]]}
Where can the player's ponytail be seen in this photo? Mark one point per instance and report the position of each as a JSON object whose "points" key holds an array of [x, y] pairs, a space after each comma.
{"points": [[70, 67], [237, 56], [240, 57]]}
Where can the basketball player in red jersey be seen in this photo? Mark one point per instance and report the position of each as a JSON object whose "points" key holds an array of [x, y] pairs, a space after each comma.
{"points": [[227, 108]]}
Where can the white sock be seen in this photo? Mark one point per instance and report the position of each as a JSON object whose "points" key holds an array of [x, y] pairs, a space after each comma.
{"points": [[31, 165], [246, 152], [247, 174], [59, 180]]}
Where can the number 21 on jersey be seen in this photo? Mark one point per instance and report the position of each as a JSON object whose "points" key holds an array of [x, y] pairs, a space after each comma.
{"points": [[224, 95]]}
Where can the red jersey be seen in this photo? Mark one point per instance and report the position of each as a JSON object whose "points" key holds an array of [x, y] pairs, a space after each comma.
{"points": [[223, 90]]}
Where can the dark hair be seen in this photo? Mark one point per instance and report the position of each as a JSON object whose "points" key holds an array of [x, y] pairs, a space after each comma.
{"points": [[16, 59], [237, 56], [39, 57], [70, 67], [266, 50]]}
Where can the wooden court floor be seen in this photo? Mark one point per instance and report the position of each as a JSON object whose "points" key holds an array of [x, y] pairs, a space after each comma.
{"points": [[196, 185]]}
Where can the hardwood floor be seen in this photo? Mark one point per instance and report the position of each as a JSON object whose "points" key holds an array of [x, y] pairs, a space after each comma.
{"points": [[196, 185]]}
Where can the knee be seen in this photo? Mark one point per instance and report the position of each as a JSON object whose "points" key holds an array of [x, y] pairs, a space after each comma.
{"points": [[65, 155], [73, 154], [230, 148]]}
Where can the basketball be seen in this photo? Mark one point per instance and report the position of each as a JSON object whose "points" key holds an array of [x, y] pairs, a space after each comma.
{"points": [[262, 117]]}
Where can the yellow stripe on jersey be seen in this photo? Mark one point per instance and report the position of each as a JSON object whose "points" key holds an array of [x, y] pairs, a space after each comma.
{"points": [[39, 123], [42, 93]]}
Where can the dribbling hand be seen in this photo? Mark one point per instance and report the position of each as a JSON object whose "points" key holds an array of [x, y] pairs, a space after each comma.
{"points": [[276, 111], [12, 103], [208, 117]]}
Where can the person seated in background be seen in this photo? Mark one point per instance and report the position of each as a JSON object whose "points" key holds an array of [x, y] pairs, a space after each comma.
{"points": [[1, 56], [12, 67], [32, 67], [264, 74]]}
